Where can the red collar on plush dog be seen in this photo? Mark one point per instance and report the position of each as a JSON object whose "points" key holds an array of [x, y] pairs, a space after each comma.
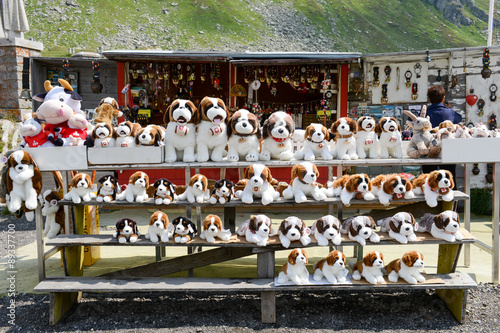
{"points": [[279, 140]]}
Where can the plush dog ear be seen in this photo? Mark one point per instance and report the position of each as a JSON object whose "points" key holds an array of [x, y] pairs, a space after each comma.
{"points": [[316, 171], [269, 176], [252, 225], [246, 173], [283, 227], [408, 185], [320, 226], [327, 134], [413, 221], [349, 186], [172, 188], [395, 225], [333, 129], [157, 183], [330, 260], [438, 221], [229, 129], [166, 114], [291, 257], [295, 171], [378, 128], [450, 177], [265, 129], [157, 139], [456, 217], [367, 260], [102, 179], [373, 224]]}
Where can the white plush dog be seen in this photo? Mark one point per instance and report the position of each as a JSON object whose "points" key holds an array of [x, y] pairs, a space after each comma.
{"points": [[325, 229], [136, 189], [258, 178], [124, 134], [197, 190], [360, 228], [390, 138], [370, 268], [158, 228], [350, 187], [401, 227], [81, 189], [181, 118], [443, 226], [333, 268], [315, 144], [256, 230], [406, 268], [277, 134], [54, 214], [211, 138], [366, 138], [392, 187], [243, 132], [433, 185], [102, 134], [212, 227], [295, 269], [304, 176], [293, 229], [345, 139]]}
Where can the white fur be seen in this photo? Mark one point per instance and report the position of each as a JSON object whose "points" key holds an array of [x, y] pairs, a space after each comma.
{"points": [[400, 189], [294, 233], [372, 274], [347, 196], [178, 143], [261, 236], [22, 185], [278, 150], [212, 232], [209, 142], [409, 274], [247, 149], [367, 139], [49, 210], [124, 140], [157, 231], [103, 136], [345, 148], [83, 191], [390, 142], [407, 233], [135, 192], [450, 233], [330, 232], [366, 231], [316, 147], [195, 193], [256, 187], [297, 273], [335, 273], [431, 197], [300, 191]]}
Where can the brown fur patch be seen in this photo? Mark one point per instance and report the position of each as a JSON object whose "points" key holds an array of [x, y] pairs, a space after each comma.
{"points": [[207, 221]]}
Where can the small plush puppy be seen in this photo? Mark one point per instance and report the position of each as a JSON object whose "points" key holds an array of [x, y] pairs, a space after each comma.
{"points": [[184, 229], [181, 118], [401, 227], [406, 268], [54, 214], [212, 227], [197, 190], [125, 133], [345, 138], [137, 188], [211, 138], [370, 268], [392, 187], [243, 133], [360, 228], [390, 140], [256, 230], [158, 228], [108, 189], [303, 184], [150, 135], [333, 268], [315, 145], [126, 230], [277, 134], [293, 229], [81, 188], [102, 134], [107, 110], [350, 187], [367, 138], [438, 183], [223, 192], [443, 226], [164, 192], [327, 228], [295, 269], [258, 185]]}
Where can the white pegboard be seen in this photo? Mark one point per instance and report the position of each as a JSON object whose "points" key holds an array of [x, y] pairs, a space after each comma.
{"points": [[482, 90]]}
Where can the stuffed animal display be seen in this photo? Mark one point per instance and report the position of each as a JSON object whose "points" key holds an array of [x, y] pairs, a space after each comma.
{"points": [[223, 192], [126, 230], [442, 226], [345, 138], [54, 213], [258, 185], [326, 229], [181, 118], [400, 227], [333, 268], [184, 229], [212, 228], [256, 230], [435, 185], [277, 134], [304, 176], [211, 138], [392, 187], [81, 189], [164, 192], [316, 139], [406, 268], [197, 190], [293, 229], [422, 142], [243, 133], [350, 187], [390, 140], [295, 269], [370, 268], [158, 228], [360, 228], [108, 188], [136, 189]]}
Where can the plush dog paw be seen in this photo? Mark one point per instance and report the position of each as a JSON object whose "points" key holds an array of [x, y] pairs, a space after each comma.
{"points": [[233, 158], [252, 157]]}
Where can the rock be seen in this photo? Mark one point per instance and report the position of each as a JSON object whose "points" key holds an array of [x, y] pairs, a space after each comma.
{"points": [[201, 32], [174, 4], [72, 3]]}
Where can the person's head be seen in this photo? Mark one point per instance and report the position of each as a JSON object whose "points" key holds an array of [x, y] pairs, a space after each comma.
{"points": [[436, 94]]}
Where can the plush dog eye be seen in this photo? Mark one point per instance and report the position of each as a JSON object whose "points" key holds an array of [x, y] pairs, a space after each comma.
{"points": [[360, 180], [250, 175], [439, 177], [403, 181]]}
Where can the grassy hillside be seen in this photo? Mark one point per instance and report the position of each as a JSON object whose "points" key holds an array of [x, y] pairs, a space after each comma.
{"points": [[273, 25]]}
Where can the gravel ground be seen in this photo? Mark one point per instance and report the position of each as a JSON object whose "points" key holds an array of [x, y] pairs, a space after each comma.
{"points": [[24, 230]]}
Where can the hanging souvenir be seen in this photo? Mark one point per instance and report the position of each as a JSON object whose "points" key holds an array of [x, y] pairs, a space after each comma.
{"points": [[475, 169], [397, 77], [438, 78], [471, 99], [256, 85], [303, 74], [96, 84], [203, 72], [454, 81], [159, 71], [408, 75], [414, 91], [191, 76], [176, 74], [66, 70], [257, 110], [325, 84], [216, 79], [322, 114], [387, 71], [135, 73], [268, 78], [493, 122], [166, 71], [418, 69], [493, 92], [303, 88], [480, 105], [486, 71], [315, 73], [274, 91], [384, 98], [151, 70], [238, 91], [376, 80]]}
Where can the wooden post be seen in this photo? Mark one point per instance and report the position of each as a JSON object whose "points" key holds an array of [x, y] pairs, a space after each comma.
{"points": [[468, 172], [265, 269], [40, 244], [230, 218]]}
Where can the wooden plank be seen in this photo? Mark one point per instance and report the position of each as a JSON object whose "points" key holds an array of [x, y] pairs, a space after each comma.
{"points": [[183, 263], [265, 264], [268, 306], [60, 303], [456, 301], [446, 257], [417, 209]]}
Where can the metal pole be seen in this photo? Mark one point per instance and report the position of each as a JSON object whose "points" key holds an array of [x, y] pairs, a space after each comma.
{"points": [[490, 22], [496, 228]]}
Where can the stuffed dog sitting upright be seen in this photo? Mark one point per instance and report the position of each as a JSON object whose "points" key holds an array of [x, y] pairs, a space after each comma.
{"points": [[81, 189], [392, 187], [295, 269], [212, 227], [406, 268], [136, 189], [223, 192], [54, 213], [345, 139], [390, 138], [102, 134], [293, 229], [370, 268], [366, 138], [277, 134], [181, 118], [184, 229], [108, 189], [158, 228], [211, 138], [258, 185], [315, 145], [304, 183], [197, 190], [243, 134]]}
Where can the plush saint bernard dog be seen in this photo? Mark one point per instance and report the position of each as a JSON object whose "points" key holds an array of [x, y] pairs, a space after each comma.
{"points": [[443, 226], [244, 135], [406, 268], [277, 134], [370, 268], [211, 138], [258, 185], [392, 187], [108, 189], [256, 230], [102, 134], [333, 268], [350, 187], [315, 145], [345, 138], [295, 269], [390, 138], [81, 188], [125, 133], [223, 191], [433, 185], [54, 214], [184, 229], [401, 227], [126, 230], [325, 229], [164, 192], [137, 188], [158, 228], [151, 135], [360, 228], [293, 229], [181, 118], [212, 227], [197, 190], [366, 138], [303, 184]]}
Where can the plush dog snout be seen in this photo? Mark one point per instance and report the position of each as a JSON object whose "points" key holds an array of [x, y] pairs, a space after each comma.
{"points": [[265, 230], [364, 187], [366, 232], [341, 263], [401, 189], [331, 234], [212, 229], [280, 131], [158, 224], [244, 124], [255, 180], [293, 234]]}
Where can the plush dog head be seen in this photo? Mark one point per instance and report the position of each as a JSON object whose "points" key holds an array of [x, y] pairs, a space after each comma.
{"points": [[279, 125], [108, 182], [292, 228], [81, 180], [213, 110], [126, 128], [316, 133], [306, 172], [182, 112], [363, 226], [260, 225], [440, 179], [297, 256], [448, 221], [159, 220], [344, 126], [387, 124], [199, 182], [102, 131], [126, 227], [212, 223], [373, 259], [106, 111], [20, 161], [150, 135], [397, 185], [140, 179], [448, 125], [257, 175], [403, 223], [366, 123], [413, 259], [164, 186], [335, 259], [243, 123], [111, 101], [224, 187], [184, 226], [358, 183], [328, 226]]}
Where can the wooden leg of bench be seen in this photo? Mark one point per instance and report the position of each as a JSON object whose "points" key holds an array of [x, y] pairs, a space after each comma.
{"points": [[456, 301], [60, 304], [268, 306], [447, 257]]}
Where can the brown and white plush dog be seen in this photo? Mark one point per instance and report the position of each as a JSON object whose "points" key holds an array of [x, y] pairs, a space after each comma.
{"points": [[211, 138], [54, 214], [401, 227], [151, 135], [223, 192], [406, 268], [295, 269], [293, 229], [327, 228], [333, 268], [392, 187], [197, 190], [367, 138], [81, 188], [181, 118], [102, 134], [158, 228], [256, 230], [443, 226], [107, 110], [137, 188], [303, 184], [126, 230], [212, 227], [360, 228], [108, 189], [258, 185], [438, 183], [350, 187], [277, 134], [345, 130], [390, 138], [243, 133], [370, 268], [315, 145], [185, 229], [164, 192], [124, 134]]}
